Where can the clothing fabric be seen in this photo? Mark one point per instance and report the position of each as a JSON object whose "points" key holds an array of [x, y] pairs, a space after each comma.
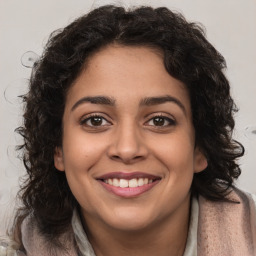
{"points": [[216, 228], [227, 228]]}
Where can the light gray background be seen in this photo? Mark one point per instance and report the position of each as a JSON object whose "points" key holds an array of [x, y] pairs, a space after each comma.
{"points": [[26, 24]]}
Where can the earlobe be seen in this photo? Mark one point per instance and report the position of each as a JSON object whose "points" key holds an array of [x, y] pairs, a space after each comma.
{"points": [[200, 161], [58, 159]]}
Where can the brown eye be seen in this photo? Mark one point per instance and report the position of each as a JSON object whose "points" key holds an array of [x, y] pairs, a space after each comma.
{"points": [[161, 121], [94, 121], [158, 121]]}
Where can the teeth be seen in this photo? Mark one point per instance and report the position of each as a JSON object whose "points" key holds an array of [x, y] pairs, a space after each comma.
{"points": [[140, 182], [133, 183], [123, 183], [116, 183]]}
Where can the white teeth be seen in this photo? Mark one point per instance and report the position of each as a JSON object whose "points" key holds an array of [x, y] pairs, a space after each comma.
{"points": [[116, 183], [133, 183], [123, 183], [140, 182]]}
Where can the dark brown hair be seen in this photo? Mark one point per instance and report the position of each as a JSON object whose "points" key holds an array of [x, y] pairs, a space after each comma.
{"points": [[188, 57]]}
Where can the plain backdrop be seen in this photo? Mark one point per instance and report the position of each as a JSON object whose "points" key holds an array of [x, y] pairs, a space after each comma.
{"points": [[26, 24]]}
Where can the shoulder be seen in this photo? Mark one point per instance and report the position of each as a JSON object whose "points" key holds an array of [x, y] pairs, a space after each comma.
{"points": [[33, 242], [254, 198], [239, 213], [247, 199], [8, 247], [228, 227], [237, 198]]}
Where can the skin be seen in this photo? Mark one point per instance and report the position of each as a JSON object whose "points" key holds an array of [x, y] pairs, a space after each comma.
{"points": [[130, 138]]}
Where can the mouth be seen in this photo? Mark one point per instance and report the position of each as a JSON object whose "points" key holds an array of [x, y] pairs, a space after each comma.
{"points": [[128, 184]]}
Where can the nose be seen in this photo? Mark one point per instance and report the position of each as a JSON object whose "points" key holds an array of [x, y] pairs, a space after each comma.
{"points": [[128, 145]]}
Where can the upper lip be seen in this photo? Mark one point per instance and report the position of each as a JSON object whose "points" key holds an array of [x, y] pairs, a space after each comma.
{"points": [[127, 175]]}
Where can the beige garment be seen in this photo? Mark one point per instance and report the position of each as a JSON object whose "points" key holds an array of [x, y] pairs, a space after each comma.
{"points": [[227, 229], [224, 229], [36, 245]]}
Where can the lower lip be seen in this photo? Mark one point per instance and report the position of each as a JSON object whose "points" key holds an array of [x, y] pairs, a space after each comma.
{"points": [[129, 192]]}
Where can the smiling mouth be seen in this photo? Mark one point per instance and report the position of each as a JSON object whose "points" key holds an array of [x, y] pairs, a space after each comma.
{"points": [[128, 184], [132, 183]]}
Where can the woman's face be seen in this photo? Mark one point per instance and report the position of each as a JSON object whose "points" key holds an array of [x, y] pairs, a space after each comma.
{"points": [[128, 141]]}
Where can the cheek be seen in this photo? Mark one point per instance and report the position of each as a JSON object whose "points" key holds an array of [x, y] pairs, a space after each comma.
{"points": [[80, 155], [177, 152], [81, 151], [177, 155]]}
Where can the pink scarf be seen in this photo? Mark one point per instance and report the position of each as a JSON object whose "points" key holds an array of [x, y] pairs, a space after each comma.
{"points": [[227, 229], [224, 229]]}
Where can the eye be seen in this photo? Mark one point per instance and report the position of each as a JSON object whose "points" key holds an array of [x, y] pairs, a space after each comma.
{"points": [[161, 121], [94, 121]]}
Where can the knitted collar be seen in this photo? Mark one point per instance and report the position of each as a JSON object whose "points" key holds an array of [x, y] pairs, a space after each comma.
{"points": [[223, 229]]}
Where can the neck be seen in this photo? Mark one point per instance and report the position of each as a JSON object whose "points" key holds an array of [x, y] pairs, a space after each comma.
{"points": [[164, 238]]}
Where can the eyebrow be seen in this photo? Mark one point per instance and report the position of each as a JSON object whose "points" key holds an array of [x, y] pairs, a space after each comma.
{"points": [[148, 101], [151, 101], [101, 100]]}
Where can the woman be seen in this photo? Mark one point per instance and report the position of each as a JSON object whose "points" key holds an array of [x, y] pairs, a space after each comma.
{"points": [[127, 143]]}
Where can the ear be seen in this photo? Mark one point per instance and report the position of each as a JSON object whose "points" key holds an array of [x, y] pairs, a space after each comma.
{"points": [[58, 159], [200, 161]]}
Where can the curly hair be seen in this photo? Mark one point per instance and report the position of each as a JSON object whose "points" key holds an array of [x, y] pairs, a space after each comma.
{"points": [[188, 57]]}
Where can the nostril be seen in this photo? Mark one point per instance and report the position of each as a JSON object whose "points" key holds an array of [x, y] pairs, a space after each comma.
{"points": [[115, 157], [127, 152]]}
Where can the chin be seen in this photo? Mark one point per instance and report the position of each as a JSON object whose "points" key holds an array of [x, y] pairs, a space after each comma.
{"points": [[130, 220]]}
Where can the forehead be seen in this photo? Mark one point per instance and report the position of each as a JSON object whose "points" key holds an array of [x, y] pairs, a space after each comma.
{"points": [[125, 59], [127, 73]]}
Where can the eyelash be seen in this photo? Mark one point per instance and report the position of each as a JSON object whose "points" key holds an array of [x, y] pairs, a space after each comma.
{"points": [[84, 120], [170, 122]]}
